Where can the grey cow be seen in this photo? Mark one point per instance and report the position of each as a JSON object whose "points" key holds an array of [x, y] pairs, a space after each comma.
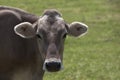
{"points": [[30, 45]]}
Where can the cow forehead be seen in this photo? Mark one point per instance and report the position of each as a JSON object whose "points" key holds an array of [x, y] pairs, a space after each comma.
{"points": [[57, 23]]}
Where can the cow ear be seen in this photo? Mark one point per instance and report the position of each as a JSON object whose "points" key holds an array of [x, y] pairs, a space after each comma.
{"points": [[25, 30], [77, 29]]}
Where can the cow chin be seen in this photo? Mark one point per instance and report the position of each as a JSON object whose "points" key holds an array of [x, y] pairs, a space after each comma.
{"points": [[52, 65]]}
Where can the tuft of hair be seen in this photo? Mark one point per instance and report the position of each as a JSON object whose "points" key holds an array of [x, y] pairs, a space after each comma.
{"points": [[51, 15], [51, 12]]}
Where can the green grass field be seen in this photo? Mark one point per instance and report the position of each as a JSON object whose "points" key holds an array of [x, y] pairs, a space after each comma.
{"points": [[95, 56]]}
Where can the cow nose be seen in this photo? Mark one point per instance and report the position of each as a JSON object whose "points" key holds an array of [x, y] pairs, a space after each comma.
{"points": [[53, 66]]}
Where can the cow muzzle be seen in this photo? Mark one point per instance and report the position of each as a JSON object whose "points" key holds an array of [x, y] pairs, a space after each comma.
{"points": [[52, 65]]}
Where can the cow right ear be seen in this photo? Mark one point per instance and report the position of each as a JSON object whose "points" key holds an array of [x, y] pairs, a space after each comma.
{"points": [[25, 30]]}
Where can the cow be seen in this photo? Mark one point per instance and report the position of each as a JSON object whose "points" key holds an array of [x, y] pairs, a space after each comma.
{"points": [[31, 45]]}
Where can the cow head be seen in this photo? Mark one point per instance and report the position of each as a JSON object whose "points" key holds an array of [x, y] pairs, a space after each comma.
{"points": [[50, 31]]}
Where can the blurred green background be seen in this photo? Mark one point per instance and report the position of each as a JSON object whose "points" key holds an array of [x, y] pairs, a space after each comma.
{"points": [[95, 56]]}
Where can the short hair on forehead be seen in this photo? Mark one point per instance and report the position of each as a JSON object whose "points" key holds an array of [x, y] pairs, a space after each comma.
{"points": [[54, 28], [60, 28]]}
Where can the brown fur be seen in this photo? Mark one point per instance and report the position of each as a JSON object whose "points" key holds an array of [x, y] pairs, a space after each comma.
{"points": [[17, 53], [23, 57]]}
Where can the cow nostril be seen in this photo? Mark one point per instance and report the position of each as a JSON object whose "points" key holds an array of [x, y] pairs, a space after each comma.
{"points": [[53, 66]]}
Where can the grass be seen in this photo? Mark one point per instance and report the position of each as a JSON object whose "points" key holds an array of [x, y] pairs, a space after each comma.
{"points": [[95, 56]]}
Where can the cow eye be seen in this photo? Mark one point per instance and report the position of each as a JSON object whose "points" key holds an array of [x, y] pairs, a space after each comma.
{"points": [[64, 36], [39, 36]]}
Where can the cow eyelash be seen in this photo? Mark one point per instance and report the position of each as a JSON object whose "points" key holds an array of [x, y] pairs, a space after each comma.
{"points": [[64, 36], [38, 36]]}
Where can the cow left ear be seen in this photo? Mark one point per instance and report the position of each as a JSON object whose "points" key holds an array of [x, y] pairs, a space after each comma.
{"points": [[77, 29], [25, 30]]}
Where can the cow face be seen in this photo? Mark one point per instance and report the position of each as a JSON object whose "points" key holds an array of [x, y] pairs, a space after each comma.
{"points": [[50, 31]]}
